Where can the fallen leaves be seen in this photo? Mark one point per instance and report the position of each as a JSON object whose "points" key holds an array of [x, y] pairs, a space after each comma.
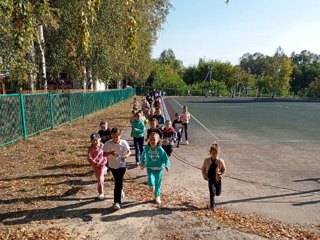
{"points": [[29, 233], [40, 172]]}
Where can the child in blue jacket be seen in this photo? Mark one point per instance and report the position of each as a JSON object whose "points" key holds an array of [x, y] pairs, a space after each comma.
{"points": [[154, 158], [138, 129]]}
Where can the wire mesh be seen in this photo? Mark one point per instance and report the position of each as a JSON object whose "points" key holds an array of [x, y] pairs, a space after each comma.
{"points": [[10, 118], [23, 115]]}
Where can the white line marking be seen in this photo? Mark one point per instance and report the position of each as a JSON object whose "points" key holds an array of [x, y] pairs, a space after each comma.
{"points": [[214, 136]]}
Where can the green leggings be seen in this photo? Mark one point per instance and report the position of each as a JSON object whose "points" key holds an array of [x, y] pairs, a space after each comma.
{"points": [[154, 180]]}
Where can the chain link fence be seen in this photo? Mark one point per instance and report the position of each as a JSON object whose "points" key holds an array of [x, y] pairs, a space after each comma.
{"points": [[23, 115]]}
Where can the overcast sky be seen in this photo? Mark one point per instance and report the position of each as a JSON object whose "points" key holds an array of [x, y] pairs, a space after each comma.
{"points": [[212, 30]]}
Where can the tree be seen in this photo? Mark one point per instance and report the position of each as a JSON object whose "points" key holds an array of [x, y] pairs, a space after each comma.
{"points": [[314, 90], [280, 69], [87, 39], [168, 57], [306, 69], [166, 77]]}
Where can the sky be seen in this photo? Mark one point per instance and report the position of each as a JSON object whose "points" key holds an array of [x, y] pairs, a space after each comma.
{"points": [[213, 30]]}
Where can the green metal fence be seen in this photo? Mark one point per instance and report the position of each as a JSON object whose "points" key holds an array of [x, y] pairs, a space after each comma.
{"points": [[23, 115]]}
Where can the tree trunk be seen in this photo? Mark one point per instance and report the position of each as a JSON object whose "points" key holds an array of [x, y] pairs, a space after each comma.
{"points": [[42, 56], [84, 83], [33, 74]]}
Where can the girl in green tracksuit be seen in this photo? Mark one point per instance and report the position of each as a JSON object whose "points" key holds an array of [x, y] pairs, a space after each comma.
{"points": [[155, 159]]}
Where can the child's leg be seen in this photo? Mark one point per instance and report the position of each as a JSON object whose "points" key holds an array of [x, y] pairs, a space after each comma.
{"points": [[218, 186], [179, 138], [185, 126], [118, 183], [212, 190], [97, 174], [140, 142], [170, 150], [100, 173], [158, 181], [137, 149], [151, 178]]}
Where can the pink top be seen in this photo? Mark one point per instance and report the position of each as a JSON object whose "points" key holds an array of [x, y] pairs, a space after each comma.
{"points": [[185, 117], [95, 155]]}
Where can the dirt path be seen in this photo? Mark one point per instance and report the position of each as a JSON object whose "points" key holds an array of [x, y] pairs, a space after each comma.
{"points": [[48, 192]]}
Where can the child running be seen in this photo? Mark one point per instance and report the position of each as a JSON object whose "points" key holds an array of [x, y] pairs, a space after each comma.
{"points": [[154, 158], [117, 151], [169, 136], [154, 127], [212, 170], [97, 161], [177, 125], [138, 129], [135, 104], [185, 117], [104, 132]]}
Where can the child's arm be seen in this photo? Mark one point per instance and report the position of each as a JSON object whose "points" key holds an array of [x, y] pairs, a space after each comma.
{"points": [[222, 168], [203, 169], [91, 158], [166, 160], [102, 160]]}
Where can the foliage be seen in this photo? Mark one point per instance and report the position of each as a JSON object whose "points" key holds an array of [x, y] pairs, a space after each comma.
{"points": [[166, 77], [87, 39], [315, 88], [306, 70], [168, 57], [216, 88]]}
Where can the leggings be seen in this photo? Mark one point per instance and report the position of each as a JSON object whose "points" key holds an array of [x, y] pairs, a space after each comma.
{"points": [[118, 183], [138, 145], [155, 180], [185, 129], [215, 190]]}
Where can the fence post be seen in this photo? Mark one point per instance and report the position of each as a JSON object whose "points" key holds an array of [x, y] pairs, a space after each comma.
{"points": [[82, 98], [51, 110], [23, 116], [70, 107]]}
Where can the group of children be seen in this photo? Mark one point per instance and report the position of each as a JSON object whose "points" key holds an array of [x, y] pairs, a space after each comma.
{"points": [[107, 147]]}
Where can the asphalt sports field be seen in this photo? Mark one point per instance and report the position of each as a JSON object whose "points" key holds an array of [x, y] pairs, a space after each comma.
{"points": [[271, 148]]}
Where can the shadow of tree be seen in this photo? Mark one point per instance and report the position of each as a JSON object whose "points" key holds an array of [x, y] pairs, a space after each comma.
{"points": [[308, 180], [255, 199], [89, 173], [76, 210], [69, 192], [66, 166]]}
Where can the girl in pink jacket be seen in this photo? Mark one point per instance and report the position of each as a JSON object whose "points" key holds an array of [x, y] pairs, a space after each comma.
{"points": [[97, 161]]}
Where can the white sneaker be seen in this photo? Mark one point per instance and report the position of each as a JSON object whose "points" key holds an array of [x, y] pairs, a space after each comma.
{"points": [[158, 200], [187, 142], [101, 196], [105, 171], [116, 206], [122, 194]]}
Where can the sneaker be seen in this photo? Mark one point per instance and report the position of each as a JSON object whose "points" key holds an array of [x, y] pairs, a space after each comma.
{"points": [[178, 145], [187, 142], [101, 196], [116, 206], [158, 200], [122, 194], [105, 171], [137, 163]]}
